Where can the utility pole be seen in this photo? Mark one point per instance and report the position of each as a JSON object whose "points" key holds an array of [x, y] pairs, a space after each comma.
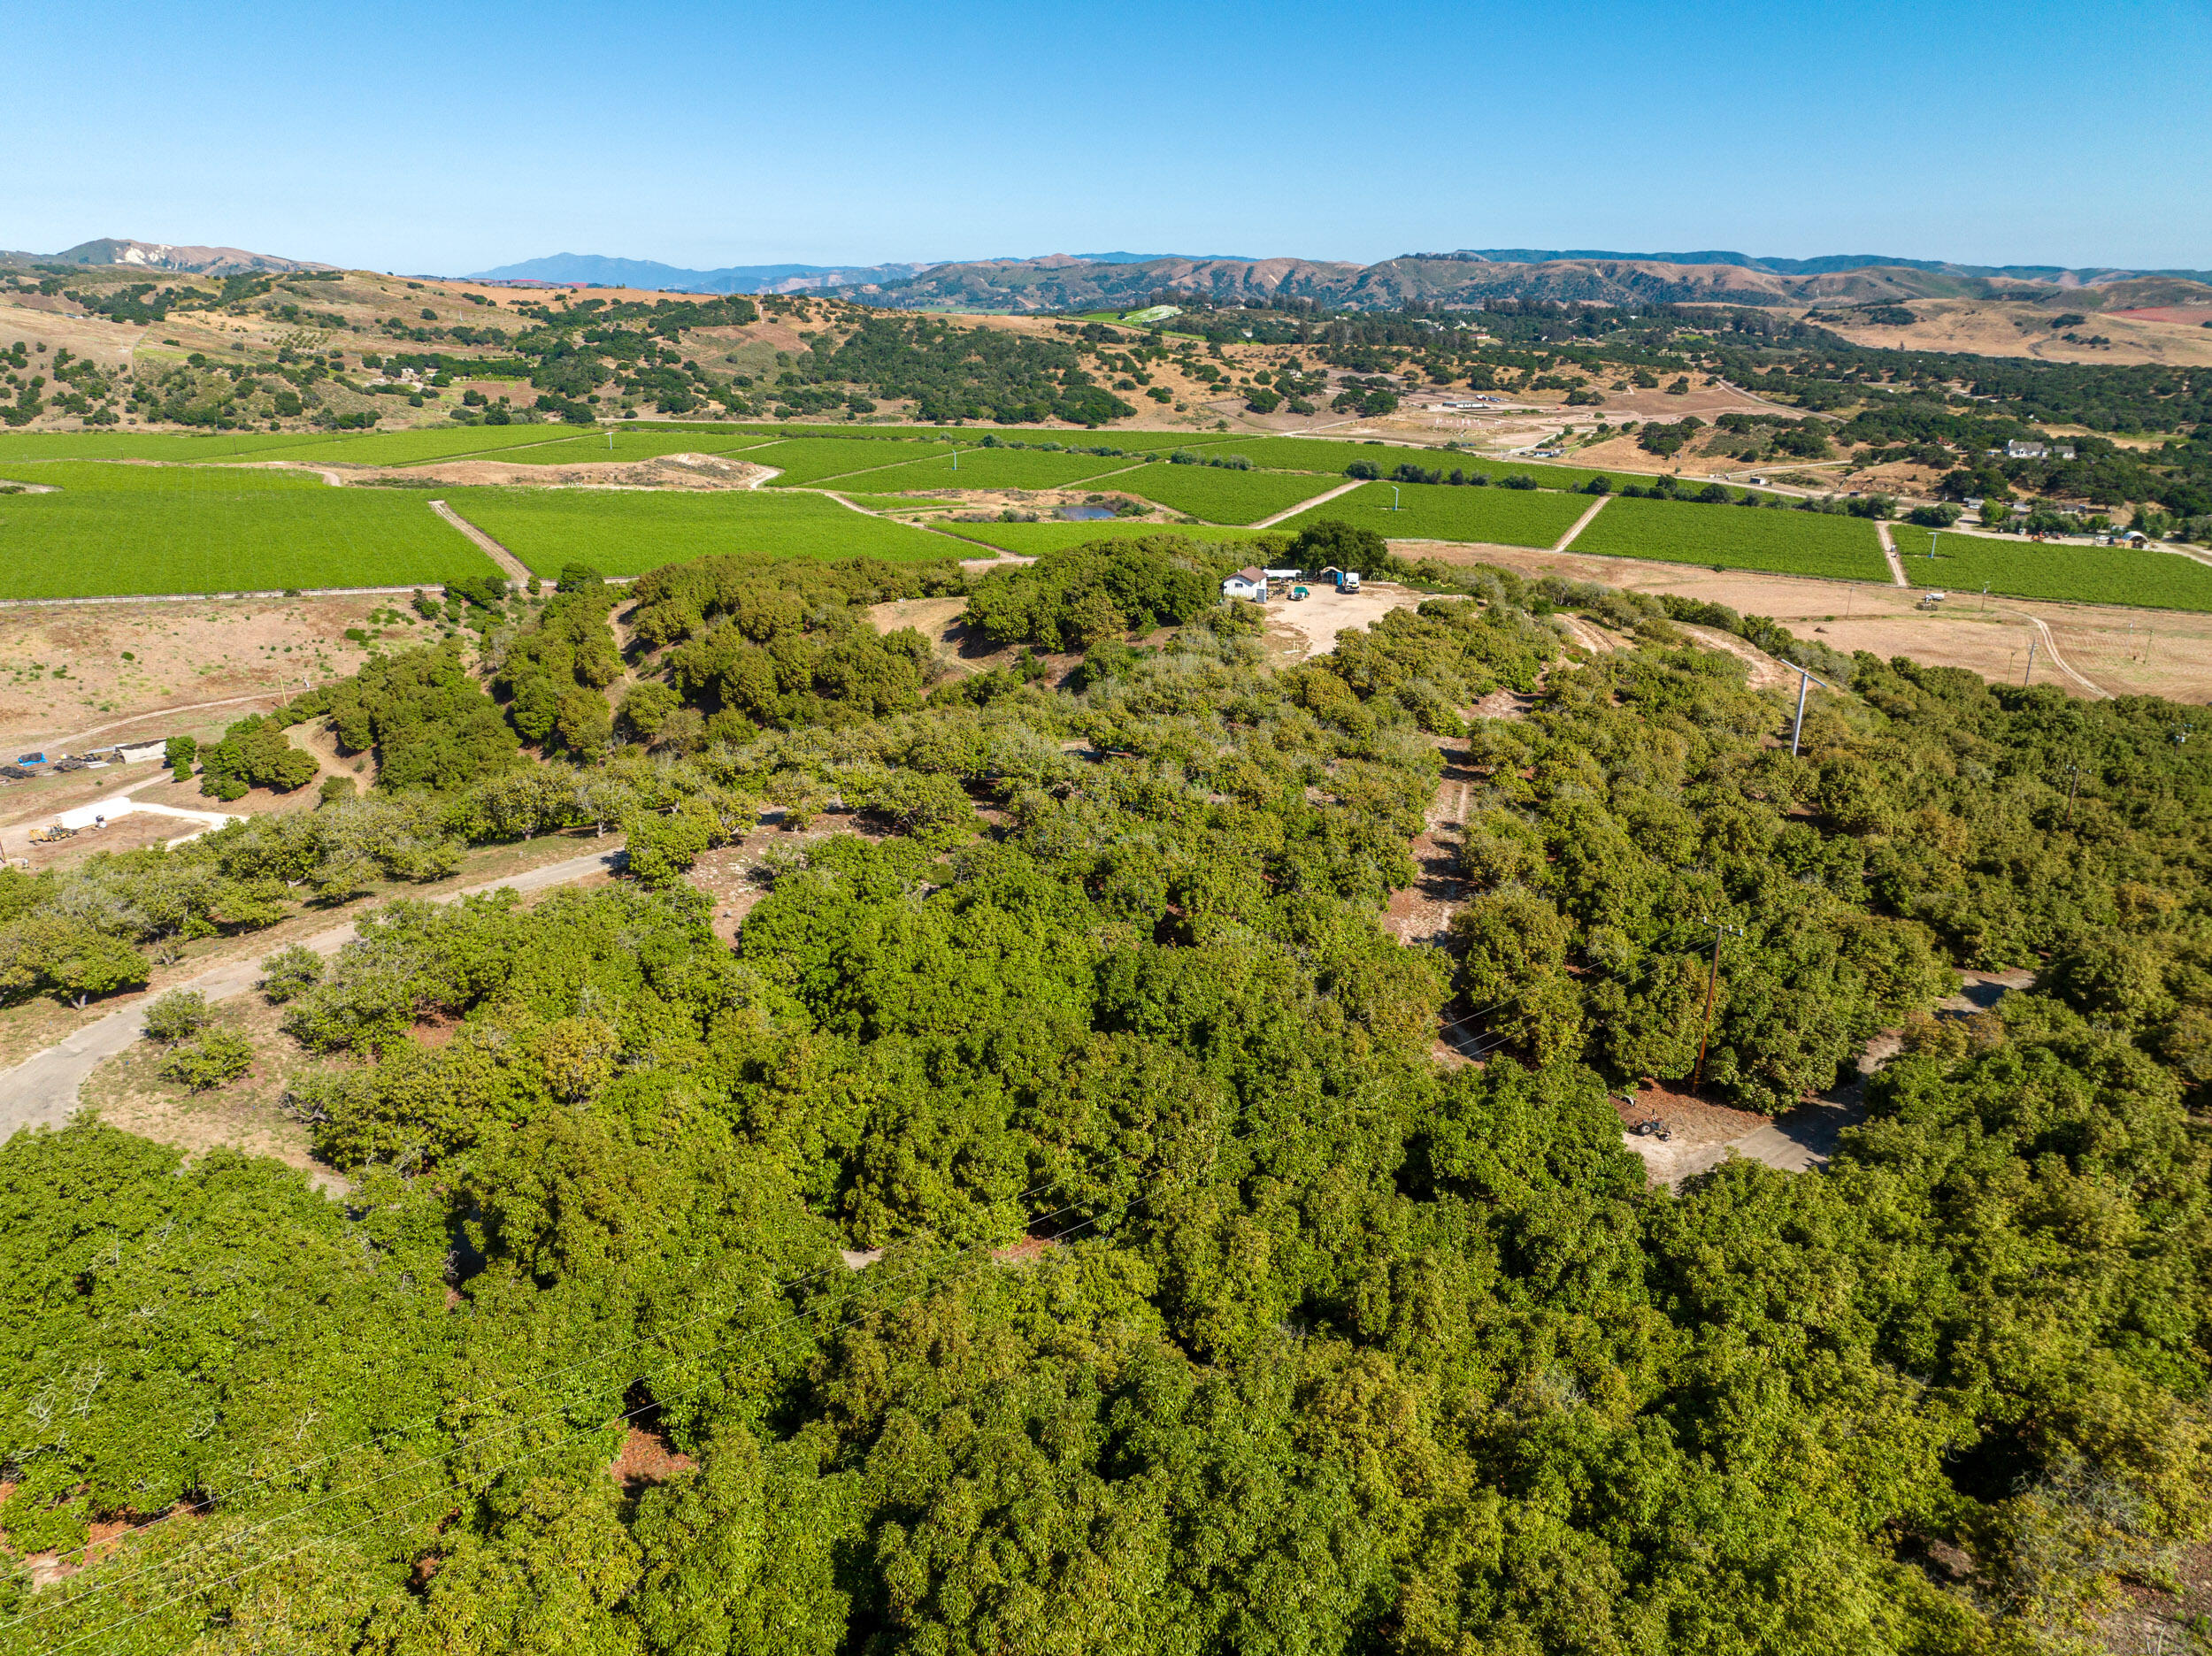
{"points": [[1712, 987], [2029, 672], [1805, 681], [1393, 497]]}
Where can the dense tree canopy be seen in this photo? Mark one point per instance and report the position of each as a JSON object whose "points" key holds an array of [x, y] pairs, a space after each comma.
{"points": [[1215, 1312]]}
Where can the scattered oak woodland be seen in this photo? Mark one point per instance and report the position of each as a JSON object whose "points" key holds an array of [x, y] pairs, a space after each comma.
{"points": [[1216, 1311], [336, 350]]}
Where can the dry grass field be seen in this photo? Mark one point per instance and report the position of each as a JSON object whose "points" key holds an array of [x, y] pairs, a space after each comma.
{"points": [[1997, 328], [72, 673], [2115, 651]]}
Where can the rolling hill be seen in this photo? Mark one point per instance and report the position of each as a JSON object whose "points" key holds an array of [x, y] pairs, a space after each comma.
{"points": [[163, 257], [1064, 283]]}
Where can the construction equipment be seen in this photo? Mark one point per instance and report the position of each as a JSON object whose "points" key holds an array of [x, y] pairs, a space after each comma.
{"points": [[47, 836]]}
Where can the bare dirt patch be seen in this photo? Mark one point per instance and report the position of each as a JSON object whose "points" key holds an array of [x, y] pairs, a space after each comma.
{"points": [[1028, 1250], [1300, 628], [1422, 913], [664, 472], [1687, 1135], [63, 671], [646, 1458], [1766, 673], [734, 877], [1588, 635], [936, 619], [2164, 1619], [2184, 316], [1505, 705], [126, 833], [959, 648]]}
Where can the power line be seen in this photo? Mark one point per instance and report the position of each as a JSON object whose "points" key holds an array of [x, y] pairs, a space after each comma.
{"points": [[494, 1472], [605, 1354], [507, 1430], [731, 1346], [775, 1291]]}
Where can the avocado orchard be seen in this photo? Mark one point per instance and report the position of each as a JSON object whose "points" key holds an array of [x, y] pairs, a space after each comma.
{"points": [[1215, 1314]]}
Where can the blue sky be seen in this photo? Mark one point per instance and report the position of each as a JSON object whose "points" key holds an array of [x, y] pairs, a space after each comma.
{"points": [[452, 137]]}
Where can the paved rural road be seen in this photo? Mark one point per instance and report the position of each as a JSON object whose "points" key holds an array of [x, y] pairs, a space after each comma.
{"points": [[42, 1090]]}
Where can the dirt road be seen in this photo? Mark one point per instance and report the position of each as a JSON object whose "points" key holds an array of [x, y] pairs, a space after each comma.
{"points": [[1889, 553], [1580, 524], [42, 1090], [1308, 505], [189, 707], [515, 569]]}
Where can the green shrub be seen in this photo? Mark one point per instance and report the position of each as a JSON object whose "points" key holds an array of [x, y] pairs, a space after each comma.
{"points": [[44, 1513], [254, 754], [422, 711], [662, 847], [177, 1015], [218, 1057], [290, 971], [1070, 600]]}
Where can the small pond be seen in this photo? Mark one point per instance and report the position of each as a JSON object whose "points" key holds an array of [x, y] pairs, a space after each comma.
{"points": [[1086, 514]]}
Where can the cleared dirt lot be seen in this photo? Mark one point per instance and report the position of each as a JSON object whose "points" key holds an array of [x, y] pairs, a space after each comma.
{"points": [[2121, 651], [73, 674], [1309, 626]]}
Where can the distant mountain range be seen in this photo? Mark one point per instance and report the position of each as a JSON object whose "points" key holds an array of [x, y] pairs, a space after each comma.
{"points": [[1469, 278], [1823, 266], [1465, 277], [594, 270], [597, 270], [163, 259]]}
